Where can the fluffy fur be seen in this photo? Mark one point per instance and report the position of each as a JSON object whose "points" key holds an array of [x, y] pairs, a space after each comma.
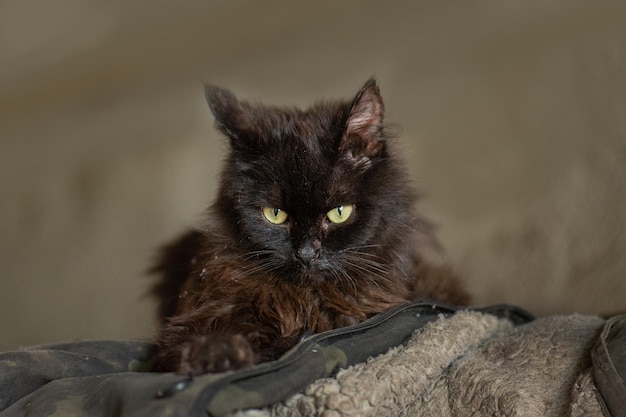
{"points": [[243, 290]]}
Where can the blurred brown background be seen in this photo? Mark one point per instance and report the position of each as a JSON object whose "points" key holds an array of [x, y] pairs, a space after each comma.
{"points": [[513, 118]]}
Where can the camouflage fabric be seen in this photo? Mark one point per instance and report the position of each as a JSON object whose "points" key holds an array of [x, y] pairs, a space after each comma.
{"points": [[110, 378]]}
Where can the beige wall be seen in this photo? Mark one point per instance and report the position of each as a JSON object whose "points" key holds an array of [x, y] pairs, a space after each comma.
{"points": [[513, 120]]}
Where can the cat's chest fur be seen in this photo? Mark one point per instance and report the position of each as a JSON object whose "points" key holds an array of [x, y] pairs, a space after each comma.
{"points": [[228, 284]]}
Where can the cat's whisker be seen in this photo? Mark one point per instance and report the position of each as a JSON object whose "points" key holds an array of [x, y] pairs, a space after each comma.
{"points": [[367, 264], [408, 226], [370, 282], [264, 265], [267, 267], [255, 254], [358, 249], [339, 271], [373, 272]]}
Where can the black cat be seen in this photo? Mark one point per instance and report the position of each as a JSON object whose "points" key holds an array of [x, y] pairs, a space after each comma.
{"points": [[313, 229]]}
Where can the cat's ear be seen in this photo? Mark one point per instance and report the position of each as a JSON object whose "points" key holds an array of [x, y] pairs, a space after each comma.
{"points": [[363, 137], [230, 116]]}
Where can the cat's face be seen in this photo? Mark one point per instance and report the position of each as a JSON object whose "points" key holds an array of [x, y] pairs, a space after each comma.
{"points": [[310, 193]]}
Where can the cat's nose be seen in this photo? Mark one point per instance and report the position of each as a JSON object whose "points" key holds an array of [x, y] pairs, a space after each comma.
{"points": [[307, 252]]}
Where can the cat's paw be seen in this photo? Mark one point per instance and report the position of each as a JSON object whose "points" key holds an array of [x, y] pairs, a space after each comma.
{"points": [[215, 353]]}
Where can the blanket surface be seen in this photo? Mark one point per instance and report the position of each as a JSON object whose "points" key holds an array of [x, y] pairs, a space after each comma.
{"points": [[416, 360], [470, 364]]}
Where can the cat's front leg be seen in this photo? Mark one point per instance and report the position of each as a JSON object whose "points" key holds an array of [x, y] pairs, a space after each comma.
{"points": [[213, 353]]}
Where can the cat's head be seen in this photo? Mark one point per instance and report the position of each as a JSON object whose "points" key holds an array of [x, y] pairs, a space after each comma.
{"points": [[314, 194]]}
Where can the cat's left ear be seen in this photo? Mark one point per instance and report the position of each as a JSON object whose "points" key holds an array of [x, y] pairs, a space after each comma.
{"points": [[363, 137], [229, 112]]}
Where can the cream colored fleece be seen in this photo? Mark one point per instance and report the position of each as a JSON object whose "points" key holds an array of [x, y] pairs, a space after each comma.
{"points": [[468, 364]]}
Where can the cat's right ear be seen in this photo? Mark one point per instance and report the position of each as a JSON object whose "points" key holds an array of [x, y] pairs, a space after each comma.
{"points": [[226, 108]]}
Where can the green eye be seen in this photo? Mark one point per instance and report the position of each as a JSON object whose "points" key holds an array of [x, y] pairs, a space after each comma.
{"points": [[274, 215], [340, 214]]}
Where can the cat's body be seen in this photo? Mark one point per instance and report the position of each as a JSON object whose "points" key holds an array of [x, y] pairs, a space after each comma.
{"points": [[313, 229]]}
